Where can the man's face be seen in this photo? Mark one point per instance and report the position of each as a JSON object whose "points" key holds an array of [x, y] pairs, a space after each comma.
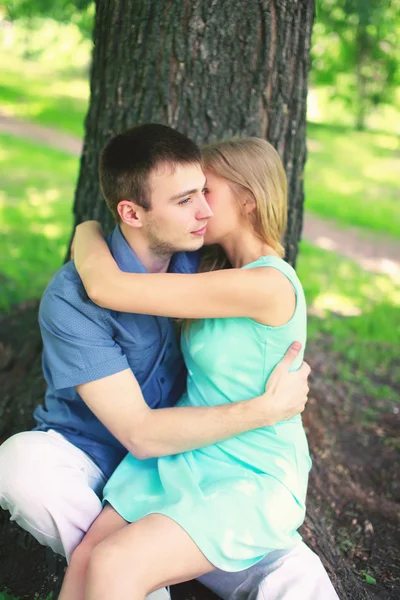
{"points": [[179, 213]]}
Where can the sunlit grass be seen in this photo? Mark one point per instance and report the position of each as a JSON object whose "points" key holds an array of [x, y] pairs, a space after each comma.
{"points": [[44, 96], [35, 216], [323, 107], [358, 310], [44, 73], [353, 177]]}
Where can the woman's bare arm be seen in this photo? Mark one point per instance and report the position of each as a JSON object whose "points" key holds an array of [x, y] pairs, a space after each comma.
{"points": [[228, 293]]}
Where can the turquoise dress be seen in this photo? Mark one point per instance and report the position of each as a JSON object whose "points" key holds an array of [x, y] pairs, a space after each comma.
{"points": [[244, 497]]}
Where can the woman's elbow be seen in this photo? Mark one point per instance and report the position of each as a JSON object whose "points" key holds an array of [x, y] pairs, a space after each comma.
{"points": [[140, 450], [95, 292]]}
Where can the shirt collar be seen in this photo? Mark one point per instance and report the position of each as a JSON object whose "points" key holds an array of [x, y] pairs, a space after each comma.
{"points": [[181, 262]]}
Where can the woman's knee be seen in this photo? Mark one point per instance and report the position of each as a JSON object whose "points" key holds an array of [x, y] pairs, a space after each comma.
{"points": [[80, 557], [109, 560]]}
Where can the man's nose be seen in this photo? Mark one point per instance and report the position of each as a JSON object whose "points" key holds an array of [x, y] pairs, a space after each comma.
{"points": [[203, 210]]}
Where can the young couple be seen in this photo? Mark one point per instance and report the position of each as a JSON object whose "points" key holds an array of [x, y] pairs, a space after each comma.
{"points": [[214, 481]]}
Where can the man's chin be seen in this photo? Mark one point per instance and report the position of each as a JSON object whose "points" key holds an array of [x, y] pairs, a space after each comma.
{"points": [[192, 245]]}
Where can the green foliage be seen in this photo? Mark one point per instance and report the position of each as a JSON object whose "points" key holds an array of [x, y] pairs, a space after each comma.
{"points": [[356, 52], [368, 578], [79, 12], [5, 596]]}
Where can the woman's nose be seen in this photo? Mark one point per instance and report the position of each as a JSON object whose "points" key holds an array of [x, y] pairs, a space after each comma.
{"points": [[204, 211]]}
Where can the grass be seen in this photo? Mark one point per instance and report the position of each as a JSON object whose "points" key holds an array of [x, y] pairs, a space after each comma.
{"points": [[352, 177], [44, 76], [44, 95], [360, 314], [35, 216], [6, 596]]}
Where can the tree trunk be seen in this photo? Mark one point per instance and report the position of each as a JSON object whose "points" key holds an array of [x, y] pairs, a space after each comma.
{"points": [[211, 69]]}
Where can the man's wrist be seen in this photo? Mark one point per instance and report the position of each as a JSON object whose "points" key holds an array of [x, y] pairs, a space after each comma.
{"points": [[260, 411]]}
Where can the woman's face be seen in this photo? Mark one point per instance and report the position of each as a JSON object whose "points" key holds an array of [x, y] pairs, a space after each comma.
{"points": [[227, 216]]}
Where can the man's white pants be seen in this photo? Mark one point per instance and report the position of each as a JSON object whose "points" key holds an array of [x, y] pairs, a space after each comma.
{"points": [[52, 489]]}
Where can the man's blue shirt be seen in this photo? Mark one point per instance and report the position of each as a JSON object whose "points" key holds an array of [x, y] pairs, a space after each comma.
{"points": [[84, 342]]}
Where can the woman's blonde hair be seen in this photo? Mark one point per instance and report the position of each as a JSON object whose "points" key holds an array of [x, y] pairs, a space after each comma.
{"points": [[250, 165]]}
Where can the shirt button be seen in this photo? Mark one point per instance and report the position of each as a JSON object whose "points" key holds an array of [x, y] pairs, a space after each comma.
{"points": [[162, 379]]}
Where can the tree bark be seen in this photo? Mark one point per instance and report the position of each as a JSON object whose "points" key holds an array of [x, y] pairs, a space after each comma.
{"points": [[211, 69]]}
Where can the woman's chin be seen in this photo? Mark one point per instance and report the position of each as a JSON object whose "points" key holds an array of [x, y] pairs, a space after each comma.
{"points": [[209, 239]]}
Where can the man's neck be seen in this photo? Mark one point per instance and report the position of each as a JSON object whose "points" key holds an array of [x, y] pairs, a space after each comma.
{"points": [[140, 246]]}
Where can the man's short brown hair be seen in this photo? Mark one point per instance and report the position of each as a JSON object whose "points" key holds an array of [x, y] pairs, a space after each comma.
{"points": [[128, 159]]}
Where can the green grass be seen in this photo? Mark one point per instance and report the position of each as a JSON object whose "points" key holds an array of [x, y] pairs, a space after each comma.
{"points": [[35, 216], [6, 596], [44, 95], [359, 312], [352, 177], [44, 73]]}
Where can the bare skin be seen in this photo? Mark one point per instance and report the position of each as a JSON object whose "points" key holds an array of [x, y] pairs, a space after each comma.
{"points": [[164, 555]]}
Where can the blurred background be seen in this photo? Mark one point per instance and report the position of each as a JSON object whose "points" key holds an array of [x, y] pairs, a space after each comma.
{"points": [[349, 259]]}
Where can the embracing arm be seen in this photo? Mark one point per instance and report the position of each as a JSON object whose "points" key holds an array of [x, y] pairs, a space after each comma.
{"points": [[147, 432], [228, 293]]}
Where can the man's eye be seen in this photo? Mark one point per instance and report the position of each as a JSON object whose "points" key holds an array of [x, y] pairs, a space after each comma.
{"points": [[205, 190], [184, 201]]}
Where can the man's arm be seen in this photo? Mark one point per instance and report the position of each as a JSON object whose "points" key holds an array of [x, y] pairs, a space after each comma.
{"points": [[118, 403]]}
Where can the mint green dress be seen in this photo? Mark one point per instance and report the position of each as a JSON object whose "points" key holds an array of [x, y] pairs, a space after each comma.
{"points": [[244, 497]]}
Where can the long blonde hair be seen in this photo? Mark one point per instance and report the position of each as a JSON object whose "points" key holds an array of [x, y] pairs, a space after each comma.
{"points": [[251, 165]]}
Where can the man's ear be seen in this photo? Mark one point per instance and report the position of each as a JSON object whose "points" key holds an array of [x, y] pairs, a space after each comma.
{"points": [[130, 213]]}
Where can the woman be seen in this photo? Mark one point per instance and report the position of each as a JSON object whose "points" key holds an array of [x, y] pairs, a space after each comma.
{"points": [[226, 505]]}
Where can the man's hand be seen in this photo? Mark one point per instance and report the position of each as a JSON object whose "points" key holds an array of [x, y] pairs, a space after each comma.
{"points": [[286, 392]]}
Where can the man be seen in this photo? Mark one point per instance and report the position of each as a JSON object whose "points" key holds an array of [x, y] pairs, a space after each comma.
{"points": [[106, 372]]}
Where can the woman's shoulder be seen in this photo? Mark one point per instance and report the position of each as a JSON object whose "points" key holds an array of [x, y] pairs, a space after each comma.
{"points": [[279, 268], [277, 283]]}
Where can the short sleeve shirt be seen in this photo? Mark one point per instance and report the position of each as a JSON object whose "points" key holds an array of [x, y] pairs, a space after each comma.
{"points": [[83, 342]]}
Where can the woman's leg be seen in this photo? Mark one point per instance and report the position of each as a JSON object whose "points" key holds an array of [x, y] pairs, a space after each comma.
{"points": [[107, 523], [142, 557]]}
